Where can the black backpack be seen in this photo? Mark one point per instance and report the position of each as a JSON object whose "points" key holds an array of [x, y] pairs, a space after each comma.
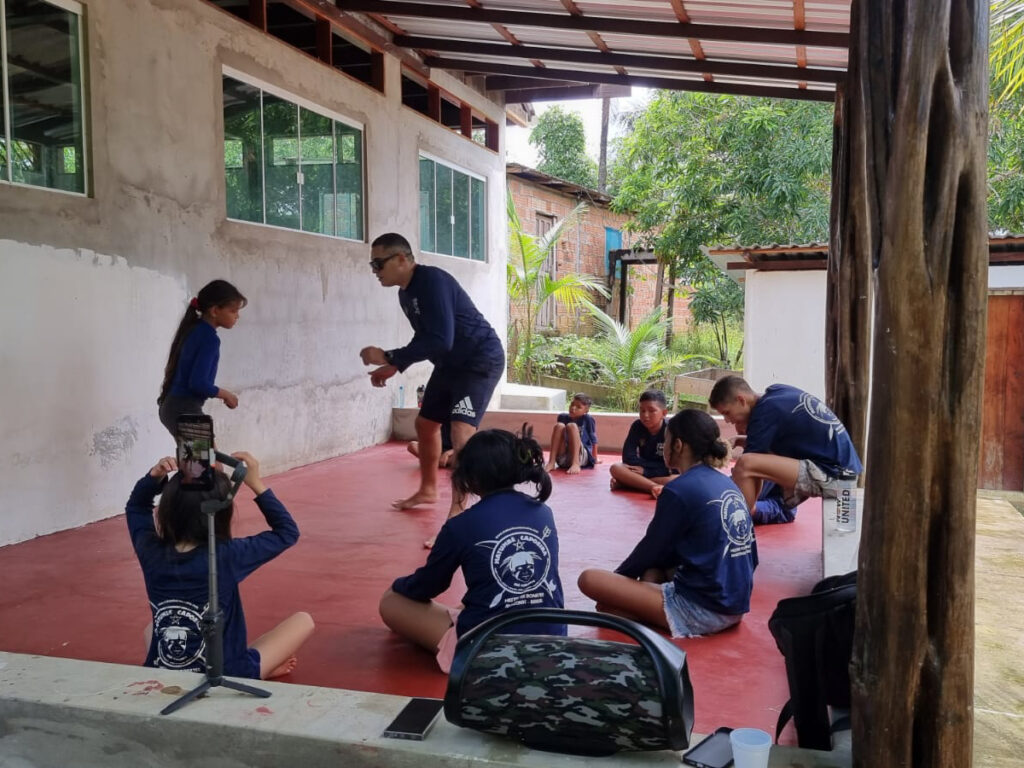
{"points": [[815, 635]]}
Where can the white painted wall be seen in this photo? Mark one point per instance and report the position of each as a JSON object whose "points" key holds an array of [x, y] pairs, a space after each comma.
{"points": [[1002, 278], [784, 330], [92, 288]]}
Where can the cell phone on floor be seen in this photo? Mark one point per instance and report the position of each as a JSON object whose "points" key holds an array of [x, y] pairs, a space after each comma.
{"points": [[714, 752], [415, 719], [195, 451]]}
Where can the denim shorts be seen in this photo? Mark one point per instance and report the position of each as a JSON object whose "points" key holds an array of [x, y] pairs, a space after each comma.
{"points": [[687, 619]]}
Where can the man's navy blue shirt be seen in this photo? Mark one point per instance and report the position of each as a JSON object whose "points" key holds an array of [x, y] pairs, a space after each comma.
{"points": [[507, 547], [787, 421], [701, 527], [448, 329]]}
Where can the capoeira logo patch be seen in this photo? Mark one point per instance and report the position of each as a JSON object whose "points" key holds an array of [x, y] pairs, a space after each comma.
{"points": [[520, 564], [736, 521], [178, 633], [821, 413]]}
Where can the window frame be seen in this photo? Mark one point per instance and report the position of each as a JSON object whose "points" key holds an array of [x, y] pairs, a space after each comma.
{"points": [[423, 155], [301, 103], [79, 10]]}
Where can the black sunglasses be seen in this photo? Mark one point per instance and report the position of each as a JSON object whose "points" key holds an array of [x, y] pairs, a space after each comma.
{"points": [[378, 264]]}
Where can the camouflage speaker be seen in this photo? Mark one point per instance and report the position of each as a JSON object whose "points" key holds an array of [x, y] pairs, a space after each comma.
{"points": [[577, 695]]}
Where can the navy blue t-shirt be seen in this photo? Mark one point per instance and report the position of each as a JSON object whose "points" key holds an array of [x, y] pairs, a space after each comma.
{"points": [[702, 528], [642, 449], [787, 421], [197, 364], [507, 547], [448, 329], [588, 434], [177, 583]]}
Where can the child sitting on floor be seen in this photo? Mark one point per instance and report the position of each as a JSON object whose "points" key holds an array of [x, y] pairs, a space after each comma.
{"points": [[701, 540], [506, 545], [175, 565], [574, 438], [643, 466]]}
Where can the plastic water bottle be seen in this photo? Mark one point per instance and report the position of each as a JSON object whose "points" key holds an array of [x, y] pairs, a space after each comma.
{"points": [[847, 508]]}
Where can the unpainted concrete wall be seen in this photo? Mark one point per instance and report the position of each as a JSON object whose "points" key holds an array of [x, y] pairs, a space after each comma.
{"points": [[92, 288]]}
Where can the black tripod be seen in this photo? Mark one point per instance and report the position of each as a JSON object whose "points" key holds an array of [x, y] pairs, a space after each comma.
{"points": [[212, 623]]}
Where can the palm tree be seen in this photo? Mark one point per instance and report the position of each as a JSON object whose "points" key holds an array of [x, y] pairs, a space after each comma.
{"points": [[530, 285], [1006, 50], [632, 360]]}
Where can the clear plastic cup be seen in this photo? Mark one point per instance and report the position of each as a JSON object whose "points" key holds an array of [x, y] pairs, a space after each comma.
{"points": [[750, 747]]}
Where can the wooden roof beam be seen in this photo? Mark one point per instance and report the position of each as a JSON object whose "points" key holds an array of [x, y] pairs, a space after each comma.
{"points": [[667, 63], [600, 24], [644, 81]]}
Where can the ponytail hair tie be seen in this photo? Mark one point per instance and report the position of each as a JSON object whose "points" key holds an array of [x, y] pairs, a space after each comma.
{"points": [[194, 303]]}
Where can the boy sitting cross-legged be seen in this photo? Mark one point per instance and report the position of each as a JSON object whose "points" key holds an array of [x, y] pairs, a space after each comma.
{"points": [[574, 438]]}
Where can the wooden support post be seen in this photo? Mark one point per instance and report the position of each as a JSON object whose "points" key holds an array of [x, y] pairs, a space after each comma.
{"points": [[324, 40], [623, 280], [918, 94], [466, 120], [492, 135], [434, 103], [377, 70]]}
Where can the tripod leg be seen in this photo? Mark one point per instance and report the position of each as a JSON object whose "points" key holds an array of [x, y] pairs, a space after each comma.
{"points": [[181, 701], [236, 686]]}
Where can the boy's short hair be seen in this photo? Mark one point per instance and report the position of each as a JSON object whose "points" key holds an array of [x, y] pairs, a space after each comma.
{"points": [[726, 389], [654, 395], [393, 241], [584, 398]]}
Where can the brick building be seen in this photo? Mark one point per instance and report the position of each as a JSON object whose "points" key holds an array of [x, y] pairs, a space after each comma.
{"points": [[541, 201]]}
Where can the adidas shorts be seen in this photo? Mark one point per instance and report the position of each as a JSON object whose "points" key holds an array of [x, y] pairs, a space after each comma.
{"points": [[459, 395]]}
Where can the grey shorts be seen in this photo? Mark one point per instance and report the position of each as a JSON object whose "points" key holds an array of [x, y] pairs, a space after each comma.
{"points": [[687, 619], [564, 459], [813, 482]]}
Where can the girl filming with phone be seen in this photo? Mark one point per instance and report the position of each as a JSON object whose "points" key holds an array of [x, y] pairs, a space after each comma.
{"points": [[693, 571], [175, 565], [191, 372], [506, 545]]}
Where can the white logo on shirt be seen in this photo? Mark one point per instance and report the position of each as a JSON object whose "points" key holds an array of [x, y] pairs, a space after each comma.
{"points": [[176, 626], [464, 408], [520, 563], [736, 519], [821, 413]]}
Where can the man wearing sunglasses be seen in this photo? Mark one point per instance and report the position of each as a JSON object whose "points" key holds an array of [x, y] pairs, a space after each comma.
{"points": [[450, 332]]}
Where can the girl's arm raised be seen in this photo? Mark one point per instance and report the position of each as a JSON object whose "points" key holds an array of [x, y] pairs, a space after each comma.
{"points": [[139, 510], [251, 552]]}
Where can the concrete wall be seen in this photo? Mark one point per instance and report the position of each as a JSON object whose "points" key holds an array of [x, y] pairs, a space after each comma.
{"points": [[93, 287], [784, 330]]}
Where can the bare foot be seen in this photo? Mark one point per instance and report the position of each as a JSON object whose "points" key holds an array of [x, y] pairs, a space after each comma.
{"points": [[549, 467], [420, 497], [284, 669], [656, 490], [613, 484], [429, 543], [574, 469]]}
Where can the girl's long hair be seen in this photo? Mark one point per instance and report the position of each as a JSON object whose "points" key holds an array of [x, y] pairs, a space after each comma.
{"points": [[699, 431], [179, 515], [497, 460], [216, 293]]}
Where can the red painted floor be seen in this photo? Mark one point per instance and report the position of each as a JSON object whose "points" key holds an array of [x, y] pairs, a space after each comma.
{"points": [[79, 593]]}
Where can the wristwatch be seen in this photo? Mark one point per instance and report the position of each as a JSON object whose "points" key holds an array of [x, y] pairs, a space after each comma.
{"points": [[388, 355]]}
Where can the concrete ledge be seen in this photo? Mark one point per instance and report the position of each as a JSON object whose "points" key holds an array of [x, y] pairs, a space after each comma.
{"points": [[611, 427], [524, 397], [61, 712]]}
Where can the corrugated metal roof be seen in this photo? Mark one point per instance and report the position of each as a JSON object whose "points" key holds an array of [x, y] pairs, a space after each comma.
{"points": [[726, 46]]}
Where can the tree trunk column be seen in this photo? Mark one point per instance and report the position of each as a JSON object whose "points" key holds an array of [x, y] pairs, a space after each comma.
{"points": [[919, 103]]}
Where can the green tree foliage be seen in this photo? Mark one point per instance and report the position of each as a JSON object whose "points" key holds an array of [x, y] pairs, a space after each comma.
{"points": [[1006, 165], [1006, 50], [717, 301], [700, 169], [561, 142], [530, 286]]}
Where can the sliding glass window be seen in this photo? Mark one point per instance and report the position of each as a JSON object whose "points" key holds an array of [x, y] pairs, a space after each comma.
{"points": [[452, 218], [42, 131], [290, 166]]}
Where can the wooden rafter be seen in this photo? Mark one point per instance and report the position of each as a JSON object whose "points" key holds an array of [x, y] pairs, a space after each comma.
{"points": [[601, 24], [634, 60], [695, 47]]}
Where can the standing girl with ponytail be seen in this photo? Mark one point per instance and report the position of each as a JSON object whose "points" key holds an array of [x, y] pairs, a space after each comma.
{"points": [[693, 571], [506, 545], [192, 364]]}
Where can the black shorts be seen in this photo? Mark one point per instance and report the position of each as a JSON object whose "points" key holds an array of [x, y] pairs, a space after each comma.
{"points": [[459, 395]]}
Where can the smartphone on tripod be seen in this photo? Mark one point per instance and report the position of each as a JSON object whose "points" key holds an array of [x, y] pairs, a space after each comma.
{"points": [[195, 452]]}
